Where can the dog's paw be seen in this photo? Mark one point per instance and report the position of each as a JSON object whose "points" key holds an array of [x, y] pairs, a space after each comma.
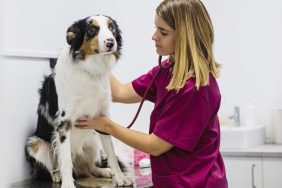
{"points": [[103, 172], [123, 181], [56, 177], [106, 172], [67, 184]]}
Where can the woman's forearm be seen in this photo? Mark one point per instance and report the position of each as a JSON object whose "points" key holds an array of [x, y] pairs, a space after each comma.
{"points": [[135, 139], [123, 93], [116, 87], [148, 143]]}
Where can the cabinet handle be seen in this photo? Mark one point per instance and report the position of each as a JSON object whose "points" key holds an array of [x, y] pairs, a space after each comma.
{"points": [[253, 176]]}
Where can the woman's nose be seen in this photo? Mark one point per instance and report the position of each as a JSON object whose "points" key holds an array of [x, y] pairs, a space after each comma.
{"points": [[155, 37]]}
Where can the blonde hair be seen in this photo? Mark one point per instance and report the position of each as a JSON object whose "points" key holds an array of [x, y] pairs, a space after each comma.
{"points": [[194, 38]]}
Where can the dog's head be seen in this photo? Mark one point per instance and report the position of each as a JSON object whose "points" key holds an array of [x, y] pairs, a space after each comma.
{"points": [[94, 35]]}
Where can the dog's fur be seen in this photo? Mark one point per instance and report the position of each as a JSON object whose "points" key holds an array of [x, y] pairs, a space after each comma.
{"points": [[77, 87]]}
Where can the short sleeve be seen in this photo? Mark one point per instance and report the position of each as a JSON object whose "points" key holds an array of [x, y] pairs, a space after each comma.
{"points": [[141, 84], [183, 119]]}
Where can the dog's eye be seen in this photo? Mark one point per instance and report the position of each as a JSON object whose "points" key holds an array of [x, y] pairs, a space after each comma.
{"points": [[91, 31], [112, 27]]}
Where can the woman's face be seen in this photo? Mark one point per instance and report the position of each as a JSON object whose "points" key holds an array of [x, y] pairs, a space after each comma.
{"points": [[164, 37]]}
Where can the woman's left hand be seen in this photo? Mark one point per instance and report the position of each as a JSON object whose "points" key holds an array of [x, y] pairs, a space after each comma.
{"points": [[98, 123]]}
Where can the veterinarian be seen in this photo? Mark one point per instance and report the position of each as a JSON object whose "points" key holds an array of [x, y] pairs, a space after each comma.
{"points": [[184, 135]]}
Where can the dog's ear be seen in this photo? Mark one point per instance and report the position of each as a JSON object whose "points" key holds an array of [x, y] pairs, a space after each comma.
{"points": [[72, 33], [118, 37], [75, 33], [75, 36]]}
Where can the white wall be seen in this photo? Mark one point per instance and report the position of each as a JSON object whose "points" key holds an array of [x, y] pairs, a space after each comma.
{"points": [[3, 135], [3, 156], [43, 24], [248, 44], [20, 80]]}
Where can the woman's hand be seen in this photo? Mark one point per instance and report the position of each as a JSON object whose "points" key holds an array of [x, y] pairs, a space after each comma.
{"points": [[99, 123]]}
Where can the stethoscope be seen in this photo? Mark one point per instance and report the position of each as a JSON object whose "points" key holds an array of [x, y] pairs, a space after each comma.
{"points": [[162, 67]]}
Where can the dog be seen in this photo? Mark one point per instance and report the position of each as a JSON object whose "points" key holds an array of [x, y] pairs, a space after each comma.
{"points": [[78, 86]]}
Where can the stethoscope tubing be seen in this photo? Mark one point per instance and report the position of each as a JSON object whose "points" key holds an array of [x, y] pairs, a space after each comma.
{"points": [[162, 67], [147, 90]]}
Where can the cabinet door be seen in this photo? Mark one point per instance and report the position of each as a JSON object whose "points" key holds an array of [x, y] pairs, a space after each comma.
{"points": [[272, 172], [244, 172]]}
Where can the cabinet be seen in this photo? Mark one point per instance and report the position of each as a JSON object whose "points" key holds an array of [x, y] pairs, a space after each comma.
{"points": [[244, 172], [272, 171], [253, 172]]}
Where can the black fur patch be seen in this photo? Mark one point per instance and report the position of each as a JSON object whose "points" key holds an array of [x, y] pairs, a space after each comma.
{"points": [[48, 97], [79, 29]]}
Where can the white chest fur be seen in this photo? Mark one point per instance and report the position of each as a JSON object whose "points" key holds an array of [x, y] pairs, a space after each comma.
{"points": [[83, 87]]}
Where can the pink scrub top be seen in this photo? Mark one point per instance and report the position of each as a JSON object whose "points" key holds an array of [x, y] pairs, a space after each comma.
{"points": [[188, 120]]}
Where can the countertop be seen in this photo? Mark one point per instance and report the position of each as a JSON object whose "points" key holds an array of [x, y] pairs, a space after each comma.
{"points": [[141, 178], [268, 150]]}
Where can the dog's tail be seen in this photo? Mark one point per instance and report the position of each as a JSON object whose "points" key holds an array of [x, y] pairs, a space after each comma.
{"points": [[38, 171]]}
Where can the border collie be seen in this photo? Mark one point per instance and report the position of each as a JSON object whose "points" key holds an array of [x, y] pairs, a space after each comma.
{"points": [[78, 86]]}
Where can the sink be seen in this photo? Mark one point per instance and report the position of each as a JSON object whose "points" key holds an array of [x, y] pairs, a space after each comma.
{"points": [[241, 137]]}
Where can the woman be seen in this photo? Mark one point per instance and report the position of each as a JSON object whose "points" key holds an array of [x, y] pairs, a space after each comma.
{"points": [[184, 136]]}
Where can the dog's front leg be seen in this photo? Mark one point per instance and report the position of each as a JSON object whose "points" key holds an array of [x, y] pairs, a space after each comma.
{"points": [[65, 160], [120, 179]]}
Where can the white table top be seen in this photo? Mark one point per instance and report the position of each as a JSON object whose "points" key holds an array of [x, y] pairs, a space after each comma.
{"points": [[268, 150]]}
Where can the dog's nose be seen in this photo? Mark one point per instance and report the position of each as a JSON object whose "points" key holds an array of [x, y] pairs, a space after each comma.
{"points": [[110, 43]]}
